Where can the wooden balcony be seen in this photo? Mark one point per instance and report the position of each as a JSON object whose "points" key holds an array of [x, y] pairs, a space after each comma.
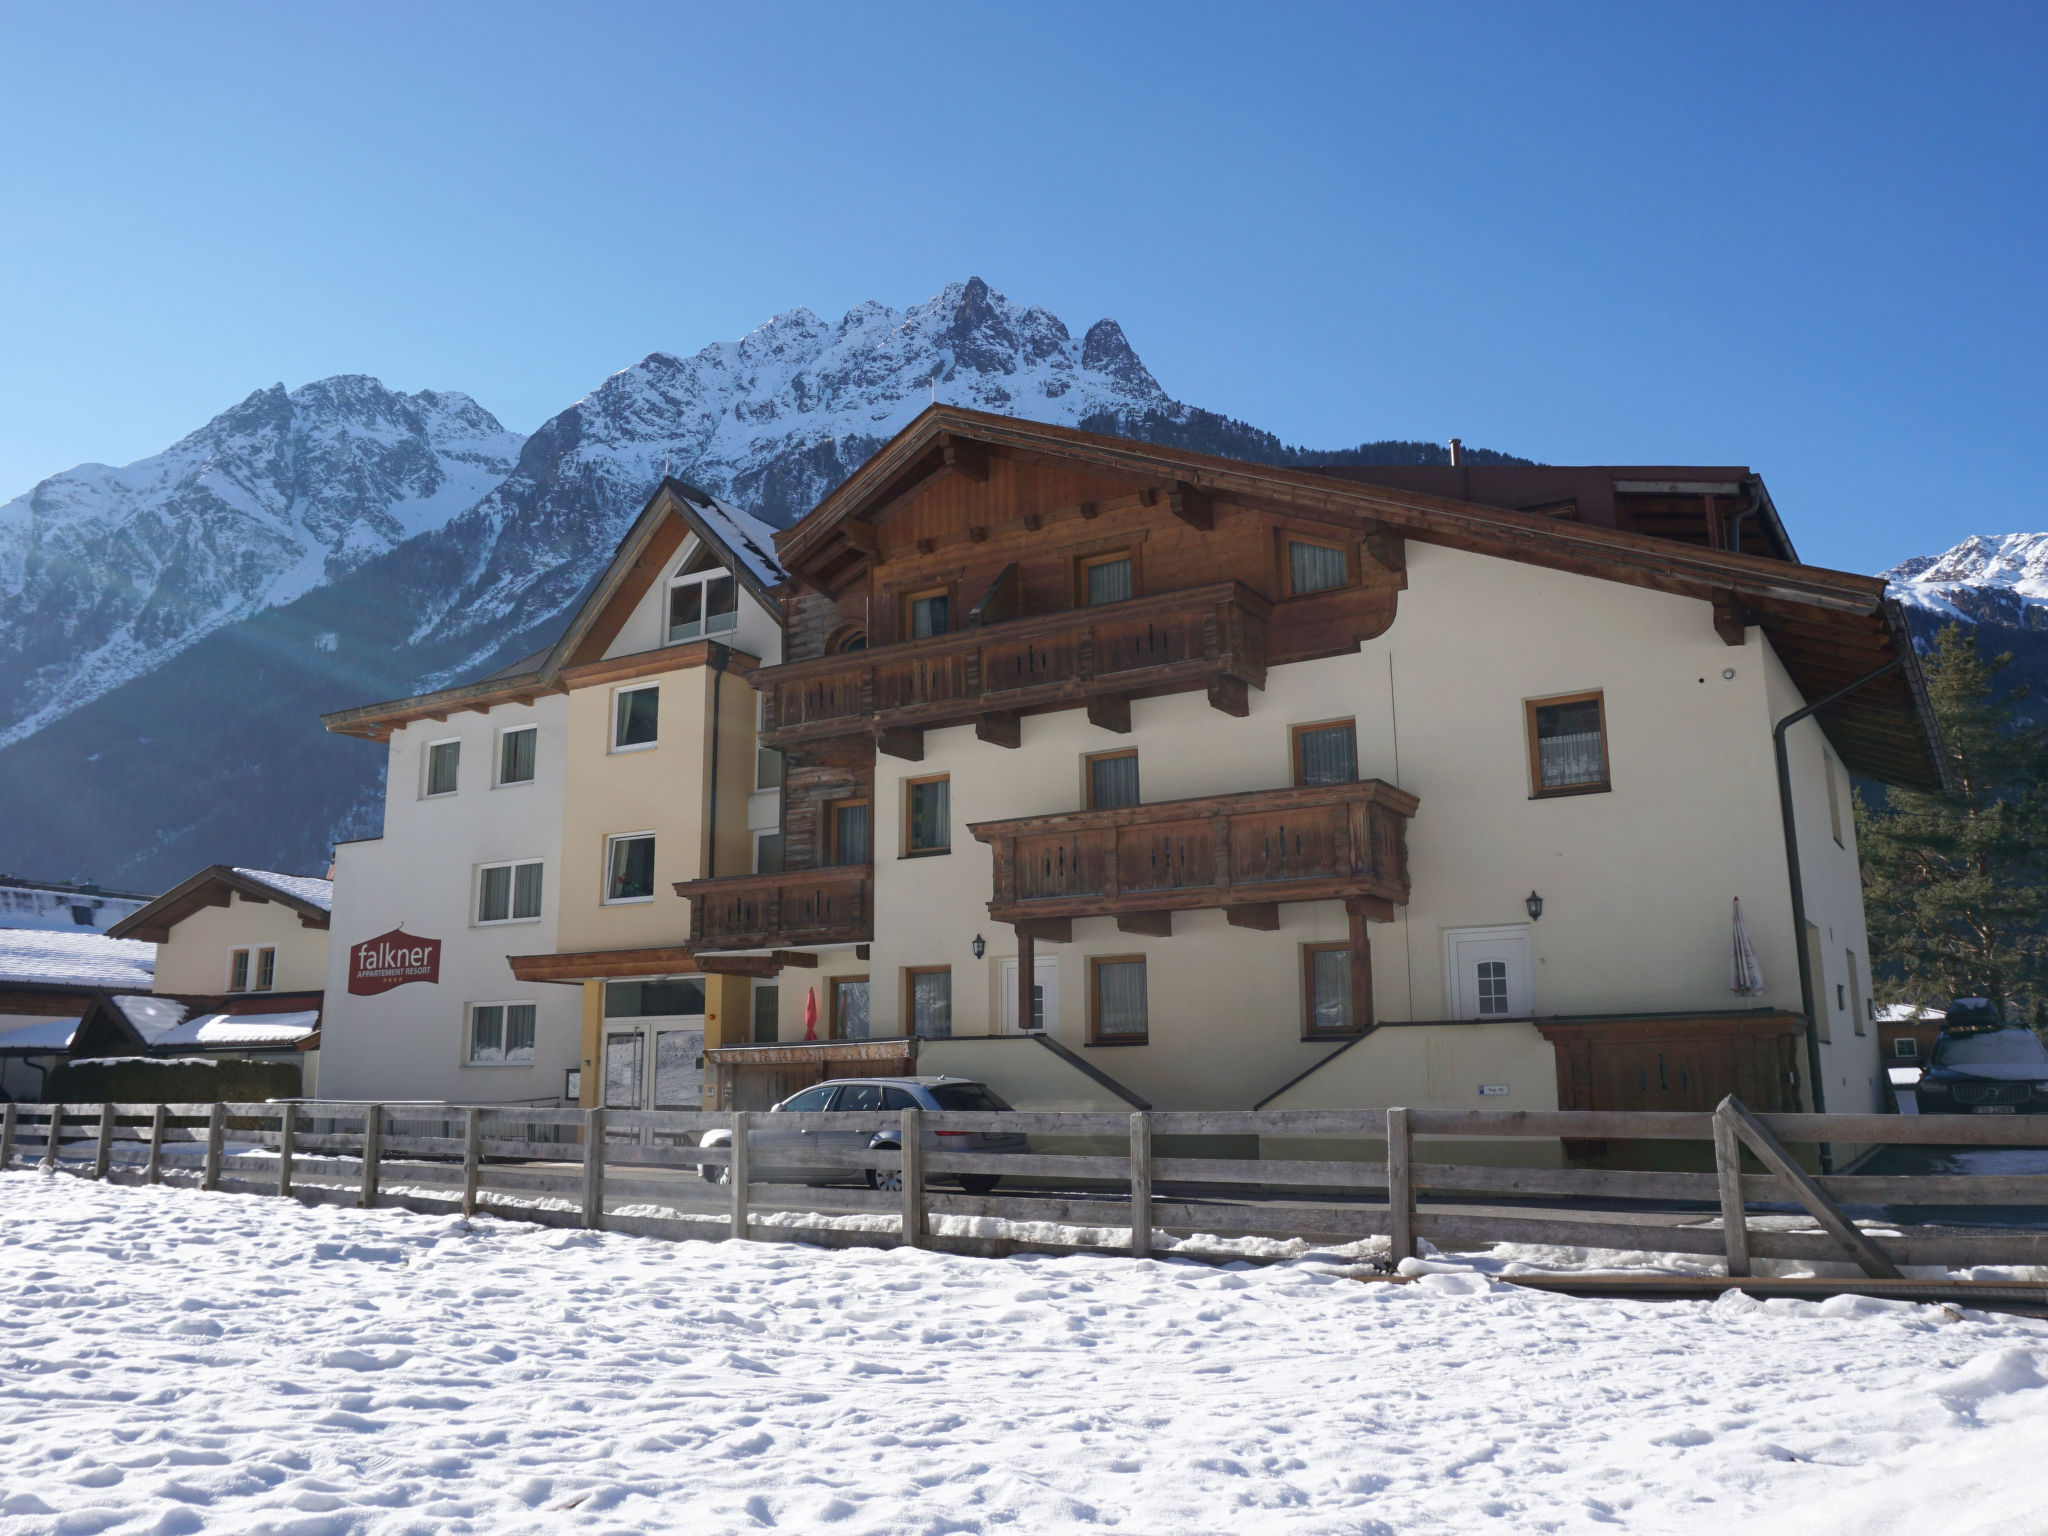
{"points": [[1245, 853], [1204, 638], [788, 909]]}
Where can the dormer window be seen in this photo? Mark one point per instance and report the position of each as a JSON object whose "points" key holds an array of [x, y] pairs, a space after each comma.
{"points": [[702, 599]]}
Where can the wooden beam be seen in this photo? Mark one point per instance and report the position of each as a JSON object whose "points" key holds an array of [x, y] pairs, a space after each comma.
{"points": [[1731, 619], [1374, 909], [863, 537], [795, 957], [965, 456], [763, 967], [1361, 966], [901, 741], [304, 922], [1387, 550], [1230, 695], [1157, 925], [1111, 711], [860, 951], [1192, 505], [1262, 915], [1870, 1258], [1027, 978], [1002, 729], [1054, 930]]}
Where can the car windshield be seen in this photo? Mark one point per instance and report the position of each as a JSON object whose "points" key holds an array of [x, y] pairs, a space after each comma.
{"points": [[964, 1096], [2015, 1046]]}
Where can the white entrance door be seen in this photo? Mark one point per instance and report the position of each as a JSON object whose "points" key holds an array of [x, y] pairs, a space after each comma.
{"points": [[1488, 973], [625, 1069], [1045, 995]]}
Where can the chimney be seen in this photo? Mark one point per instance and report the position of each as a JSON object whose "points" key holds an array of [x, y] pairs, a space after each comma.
{"points": [[1457, 452]]}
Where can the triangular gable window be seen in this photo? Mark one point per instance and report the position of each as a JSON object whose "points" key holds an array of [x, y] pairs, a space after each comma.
{"points": [[703, 599]]}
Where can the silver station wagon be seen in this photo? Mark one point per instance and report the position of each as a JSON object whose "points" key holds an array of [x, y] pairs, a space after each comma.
{"points": [[784, 1147]]}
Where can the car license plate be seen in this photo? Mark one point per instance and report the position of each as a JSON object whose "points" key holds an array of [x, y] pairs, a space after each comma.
{"points": [[1992, 1109]]}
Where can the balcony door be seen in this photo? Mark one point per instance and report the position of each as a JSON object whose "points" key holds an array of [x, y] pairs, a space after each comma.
{"points": [[1045, 996]]}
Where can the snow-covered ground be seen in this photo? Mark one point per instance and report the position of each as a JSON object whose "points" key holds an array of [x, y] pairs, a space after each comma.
{"points": [[172, 1361]]}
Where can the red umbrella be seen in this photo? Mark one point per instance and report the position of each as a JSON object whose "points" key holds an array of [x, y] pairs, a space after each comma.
{"points": [[811, 1014]]}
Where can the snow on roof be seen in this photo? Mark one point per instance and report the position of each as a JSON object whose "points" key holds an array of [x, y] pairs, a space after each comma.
{"points": [[38, 1035], [153, 1017], [750, 539], [217, 1030], [310, 889], [44, 957], [1908, 1013]]}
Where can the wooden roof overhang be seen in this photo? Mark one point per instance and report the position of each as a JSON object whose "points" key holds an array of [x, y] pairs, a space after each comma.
{"points": [[1829, 627], [603, 964], [214, 886]]}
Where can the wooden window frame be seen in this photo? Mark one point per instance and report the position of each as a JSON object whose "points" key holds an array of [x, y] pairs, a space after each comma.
{"points": [[245, 954], [1353, 566], [910, 975], [1309, 1031], [833, 1030], [1088, 762], [259, 981], [1296, 732], [1537, 790], [909, 820], [828, 831], [1085, 562], [909, 597], [1095, 965], [846, 639]]}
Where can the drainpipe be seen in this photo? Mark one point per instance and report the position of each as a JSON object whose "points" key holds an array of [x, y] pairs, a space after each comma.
{"points": [[1740, 514], [1806, 979], [718, 657]]}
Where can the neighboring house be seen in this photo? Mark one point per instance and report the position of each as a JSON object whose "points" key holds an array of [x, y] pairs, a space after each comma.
{"points": [[63, 906], [1319, 788], [49, 983], [516, 925]]}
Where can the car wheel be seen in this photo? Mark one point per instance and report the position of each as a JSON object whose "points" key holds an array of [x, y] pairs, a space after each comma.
{"points": [[979, 1183], [888, 1180], [715, 1173]]}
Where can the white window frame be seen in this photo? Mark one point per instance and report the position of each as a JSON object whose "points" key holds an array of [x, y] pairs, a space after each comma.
{"points": [[612, 727], [759, 835], [1512, 933], [469, 1035], [427, 792], [498, 781], [476, 894], [702, 578], [604, 895]]}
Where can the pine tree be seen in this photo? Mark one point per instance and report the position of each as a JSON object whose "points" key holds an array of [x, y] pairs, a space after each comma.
{"points": [[1957, 882]]}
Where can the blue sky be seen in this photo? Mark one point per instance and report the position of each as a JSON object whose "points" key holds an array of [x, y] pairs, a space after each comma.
{"points": [[1806, 238]]}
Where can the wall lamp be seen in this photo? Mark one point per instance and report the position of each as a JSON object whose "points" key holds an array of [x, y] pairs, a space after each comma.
{"points": [[980, 946], [1535, 906]]}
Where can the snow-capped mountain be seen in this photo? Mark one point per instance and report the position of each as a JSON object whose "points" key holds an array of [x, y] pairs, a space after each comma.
{"points": [[106, 573], [2002, 580]]}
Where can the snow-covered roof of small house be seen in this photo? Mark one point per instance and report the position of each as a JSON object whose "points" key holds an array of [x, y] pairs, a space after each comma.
{"points": [[216, 1031], [152, 1017], [310, 889], [49, 958], [216, 885], [37, 1035]]}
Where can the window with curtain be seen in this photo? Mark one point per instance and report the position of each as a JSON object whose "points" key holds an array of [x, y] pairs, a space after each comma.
{"points": [[1569, 739], [630, 868], [443, 760], [1106, 580], [508, 893], [1120, 1013], [1329, 988], [501, 1034], [516, 754], [1326, 754], [849, 828], [238, 971], [929, 816], [928, 615], [1314, 567], [931, 1004], [266, 969], [1112, 780], [635, 717], [850, 1008]]}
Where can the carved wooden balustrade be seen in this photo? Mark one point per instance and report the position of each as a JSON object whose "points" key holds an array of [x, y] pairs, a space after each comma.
{"points": [[789, 908], [1211, 637], [1242, 852]]}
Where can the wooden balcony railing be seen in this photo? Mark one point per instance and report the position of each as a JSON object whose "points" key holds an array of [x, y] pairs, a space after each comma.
{"points": [[784, 910], [1211, 637], [1243, 851]]}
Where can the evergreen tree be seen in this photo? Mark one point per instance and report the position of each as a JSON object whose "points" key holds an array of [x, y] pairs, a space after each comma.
{"points": [[1957, 882]]}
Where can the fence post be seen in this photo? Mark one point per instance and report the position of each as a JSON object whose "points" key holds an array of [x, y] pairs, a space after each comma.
{"points": [[216, 1132], [737, 1172], [55, 1134], [1728, 1169], [103, 1153], [913, 1178], [373, 1148], [472, 1157], [287, 1134], [1141, 1185], [155, 1172], [1400, 1186], [593, 1169], [8, 1114]]}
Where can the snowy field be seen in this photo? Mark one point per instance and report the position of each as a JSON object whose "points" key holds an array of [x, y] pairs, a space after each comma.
{"points": [[173, 1361]]}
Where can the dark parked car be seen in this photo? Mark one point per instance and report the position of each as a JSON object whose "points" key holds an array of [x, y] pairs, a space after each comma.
{"points": [[774, 1144], [1982, 1066]]}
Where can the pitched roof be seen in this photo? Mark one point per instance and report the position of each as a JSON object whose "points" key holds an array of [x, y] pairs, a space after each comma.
{"points": [[313, 890], [215, 886], [45, 958]]}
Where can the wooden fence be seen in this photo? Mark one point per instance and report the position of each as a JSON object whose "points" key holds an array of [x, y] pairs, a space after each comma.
{"points": [[639, 1171]]}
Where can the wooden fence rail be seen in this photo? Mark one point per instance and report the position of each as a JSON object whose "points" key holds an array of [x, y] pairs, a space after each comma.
{"points": [[1099, 1172]]}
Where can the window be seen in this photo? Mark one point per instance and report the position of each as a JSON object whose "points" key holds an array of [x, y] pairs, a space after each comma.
{"points": [[1112, 780], [1906, 1048], [846, 832], [1326, 754], [670, 998], [1827, 768], [1493, 989], [266, 968], [898, 1099], [1854, 1001], [1567, 745], [767, 853], [1106, 579], [968, 1098], [767, 1012], [702, 599], [501, 1034], [848, 640], [1116, 1004], [443, 759], [811, 1101], [849, 1019], [508, 893], [635, 714], [925, 614], [1314, 566], [767, 768], [931, 1003], [927, 821], [678, 1068], [515, 755], [238, 971], [1327, 987], [629, 868], [625, 1068], [858, 1098]]}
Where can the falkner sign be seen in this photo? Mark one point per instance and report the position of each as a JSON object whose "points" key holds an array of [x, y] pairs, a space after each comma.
{"points": [[391, 960]]}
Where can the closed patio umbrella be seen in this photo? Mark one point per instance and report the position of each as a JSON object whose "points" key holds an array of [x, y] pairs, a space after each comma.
{"points": [[811, 1014], [1745, 976]]}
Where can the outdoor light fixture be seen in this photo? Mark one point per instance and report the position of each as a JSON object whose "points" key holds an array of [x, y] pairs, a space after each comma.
{"points": [[1535, 906], [980, 946]]}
